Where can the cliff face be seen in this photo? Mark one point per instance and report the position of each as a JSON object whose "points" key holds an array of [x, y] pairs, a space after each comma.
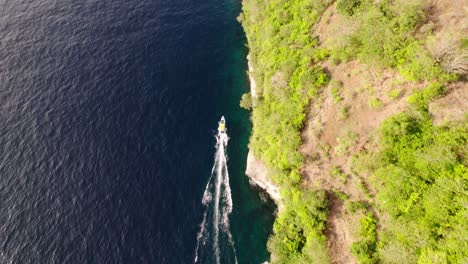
{"points": [[258, 174], [256, 169], [253, 85]]}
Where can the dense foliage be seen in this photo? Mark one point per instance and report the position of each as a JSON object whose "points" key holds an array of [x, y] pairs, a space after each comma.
{"points": [[422, 186], [419, 173], [365, 249], [382, 36], [298, 230], [282, 53]]}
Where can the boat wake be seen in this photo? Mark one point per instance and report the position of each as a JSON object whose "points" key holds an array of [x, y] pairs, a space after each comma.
{"points": [[214, 239]]}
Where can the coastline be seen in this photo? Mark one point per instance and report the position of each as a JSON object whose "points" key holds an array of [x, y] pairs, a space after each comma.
{"points": [[256, 170], [253, 84]]}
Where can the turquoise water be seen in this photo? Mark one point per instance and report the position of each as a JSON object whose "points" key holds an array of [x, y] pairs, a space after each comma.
{"points": [[252, 218]]}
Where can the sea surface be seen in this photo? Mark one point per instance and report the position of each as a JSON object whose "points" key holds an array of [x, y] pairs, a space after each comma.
{"points": [[108, 115]]}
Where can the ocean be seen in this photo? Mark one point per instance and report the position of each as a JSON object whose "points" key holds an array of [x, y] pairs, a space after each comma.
{"points": [[108, 116]]}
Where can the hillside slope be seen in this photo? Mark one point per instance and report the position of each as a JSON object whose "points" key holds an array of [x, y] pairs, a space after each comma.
{"points": [[360, 115]]}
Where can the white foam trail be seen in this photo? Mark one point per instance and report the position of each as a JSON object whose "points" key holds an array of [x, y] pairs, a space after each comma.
{"points": [[221, 206], [219, 174], [207, 197], [228, 199]]}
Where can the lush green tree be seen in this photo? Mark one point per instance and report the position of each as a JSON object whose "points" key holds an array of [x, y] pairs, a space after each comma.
{"points": [[246, 101]]}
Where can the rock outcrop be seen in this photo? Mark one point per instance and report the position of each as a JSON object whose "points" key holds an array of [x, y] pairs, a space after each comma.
{"points": [[258, 174], [256, 169]]}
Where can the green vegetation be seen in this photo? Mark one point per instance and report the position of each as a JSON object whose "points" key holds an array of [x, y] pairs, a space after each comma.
{"points": [[365, 248], [345, 142], [364, 189], [354, 206], [299, 229], [348, 7], [417, 171], [375, 103], [336, 87], [421, 179], [394, 94], [343, 112], [246, 101], [336, 172], [282, 53], [382, 37], [421, 99], [343, 196]]}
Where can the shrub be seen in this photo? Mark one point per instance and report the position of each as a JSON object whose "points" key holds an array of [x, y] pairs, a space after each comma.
{"points": [[336, 88], [325, 150], [398, 126], [375, 103], [336, 172], [383, 37], [336, 93], [450, 49], [246, 101], [298, 230], [420, 181], [345, 142], [364, 161], [320, 54], [364, 189], [343, 196], [343, 112], [348, 7], [365, 249], [394, 94], [354, 206], [421, 98]]}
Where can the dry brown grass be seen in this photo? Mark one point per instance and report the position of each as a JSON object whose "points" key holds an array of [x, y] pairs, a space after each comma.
{"points": [[446, 48]]}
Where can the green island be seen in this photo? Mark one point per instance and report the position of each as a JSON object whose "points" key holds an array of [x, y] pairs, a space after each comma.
{"points": [[359, 114]]}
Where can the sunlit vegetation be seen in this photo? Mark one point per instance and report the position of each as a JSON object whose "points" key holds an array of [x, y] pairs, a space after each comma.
{"points": [[343, 196], [354, 206], [421, 98], [415, 178], [365, 249], [336, 88], [375, 103], [336, 172], [421, 179], [394, 94], [246, 101], [299, 229], [346, 141], [283, 54], [382, 37]]}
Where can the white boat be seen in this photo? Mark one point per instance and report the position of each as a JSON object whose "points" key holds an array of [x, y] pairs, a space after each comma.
{"points": [[222, 125]]}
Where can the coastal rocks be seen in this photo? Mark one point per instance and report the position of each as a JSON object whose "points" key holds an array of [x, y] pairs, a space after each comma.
{"points": [[253, 85], [256, 169], [258, 175]]}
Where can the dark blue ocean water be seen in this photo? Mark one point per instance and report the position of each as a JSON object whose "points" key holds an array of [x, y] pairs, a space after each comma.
{"points": [[107, 116]]}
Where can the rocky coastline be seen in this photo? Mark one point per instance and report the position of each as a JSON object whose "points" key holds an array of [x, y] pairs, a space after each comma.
{"points": [[256, 169]]}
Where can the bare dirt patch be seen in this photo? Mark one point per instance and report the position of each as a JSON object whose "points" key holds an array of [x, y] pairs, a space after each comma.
{"points": [[360, 87], [331, 137], [337, 232], [344, 119], [333, 26], [454, 106], [448, 14]]}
